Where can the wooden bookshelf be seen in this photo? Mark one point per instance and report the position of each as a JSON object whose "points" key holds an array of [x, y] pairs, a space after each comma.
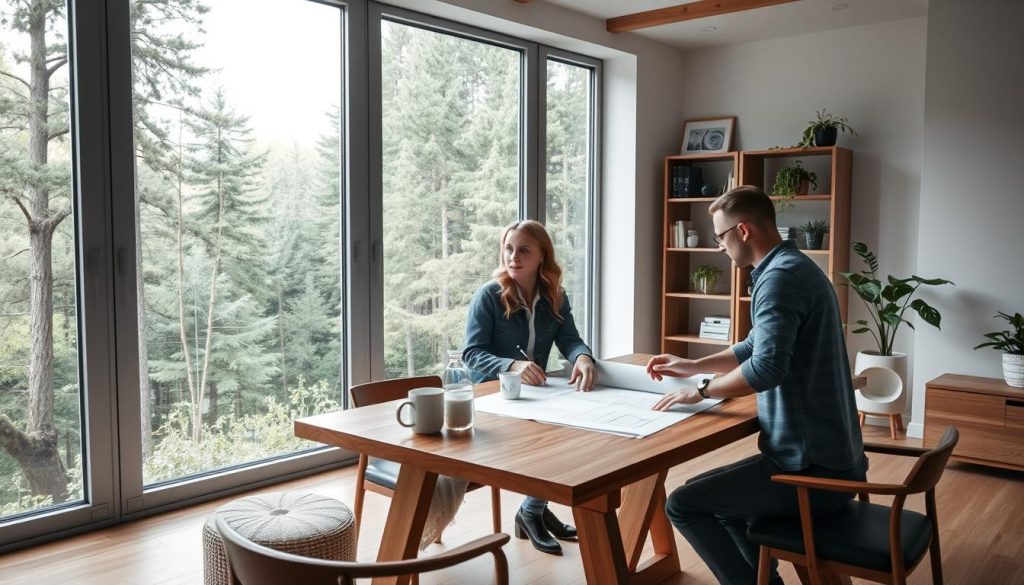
{"points": [[682, 309]]}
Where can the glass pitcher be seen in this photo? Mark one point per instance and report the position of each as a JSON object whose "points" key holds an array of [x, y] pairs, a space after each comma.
{"points": [[458, 394]]}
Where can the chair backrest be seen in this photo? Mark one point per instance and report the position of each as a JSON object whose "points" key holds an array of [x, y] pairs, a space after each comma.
{"points": [[388, 390], [929, 467], [254, 564]]}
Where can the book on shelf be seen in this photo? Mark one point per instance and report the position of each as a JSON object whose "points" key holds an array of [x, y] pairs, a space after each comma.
{"points": [[679, 234], [718, 336], [709, 329], [719, 319]]}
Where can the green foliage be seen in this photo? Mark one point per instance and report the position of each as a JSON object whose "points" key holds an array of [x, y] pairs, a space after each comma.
{"points": [[704, 278], [787, 183], [1007, 341], [825, 120], [887, 304], [232, 439], [816, 227]]}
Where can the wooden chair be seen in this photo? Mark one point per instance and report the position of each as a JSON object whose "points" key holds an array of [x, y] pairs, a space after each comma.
{"points": [[253, 564], [380, 475], [871, 541]]}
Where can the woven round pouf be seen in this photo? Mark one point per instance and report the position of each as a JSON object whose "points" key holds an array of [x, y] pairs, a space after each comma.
{"points": [[295, 522]]}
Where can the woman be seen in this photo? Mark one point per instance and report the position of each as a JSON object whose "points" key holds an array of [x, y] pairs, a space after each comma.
{"points": [[513, 320]]}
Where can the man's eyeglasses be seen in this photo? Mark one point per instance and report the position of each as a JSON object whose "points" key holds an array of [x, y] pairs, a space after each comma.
{"points": [[718, 237]]}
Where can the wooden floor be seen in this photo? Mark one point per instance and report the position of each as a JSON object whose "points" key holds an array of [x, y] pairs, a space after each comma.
{"points": [[981, 514]]}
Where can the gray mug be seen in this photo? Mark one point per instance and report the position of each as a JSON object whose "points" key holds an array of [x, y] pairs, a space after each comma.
{"points": [[427, 406]]}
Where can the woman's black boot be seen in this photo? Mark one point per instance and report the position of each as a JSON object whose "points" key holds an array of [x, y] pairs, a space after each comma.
{"points": [[532, 526], [557, 528]]}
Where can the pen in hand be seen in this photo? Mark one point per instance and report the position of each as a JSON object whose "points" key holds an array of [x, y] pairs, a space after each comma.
{"points": [[543, 381]]}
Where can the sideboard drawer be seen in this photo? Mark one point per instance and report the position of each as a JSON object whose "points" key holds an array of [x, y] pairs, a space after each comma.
{"points": [[965, 407], [1014, 414]]}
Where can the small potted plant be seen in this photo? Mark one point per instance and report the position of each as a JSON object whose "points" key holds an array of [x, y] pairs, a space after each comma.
{"points": [[1011, 343], [825, 130], [793, 179], [814, 233], [705, 278]]}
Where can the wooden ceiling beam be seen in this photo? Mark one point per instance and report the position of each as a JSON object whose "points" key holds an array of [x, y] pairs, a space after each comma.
{"points": [[690, 11]]}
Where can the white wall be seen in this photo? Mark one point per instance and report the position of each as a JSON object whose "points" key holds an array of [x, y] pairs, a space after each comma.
{"points": [[972, 200], [873, 75], [642, 107]]}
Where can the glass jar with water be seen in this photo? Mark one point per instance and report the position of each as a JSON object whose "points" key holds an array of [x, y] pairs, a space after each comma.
{"points": [[458, 394]]}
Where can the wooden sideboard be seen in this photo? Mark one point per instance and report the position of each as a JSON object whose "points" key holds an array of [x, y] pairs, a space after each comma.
{"points": [[988, 413]]}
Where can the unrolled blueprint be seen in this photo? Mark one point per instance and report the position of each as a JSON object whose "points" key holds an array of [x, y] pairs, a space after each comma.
{"points": [[621, 403]]}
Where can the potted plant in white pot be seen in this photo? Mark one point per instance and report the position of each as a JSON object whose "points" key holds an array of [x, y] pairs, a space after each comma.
{"points": [[705, 278], [1011, 343], [887, 304]]}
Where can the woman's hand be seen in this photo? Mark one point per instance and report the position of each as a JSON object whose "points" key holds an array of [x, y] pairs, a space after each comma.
{"points": [[531, 373], [584, 373], [670, 365]]}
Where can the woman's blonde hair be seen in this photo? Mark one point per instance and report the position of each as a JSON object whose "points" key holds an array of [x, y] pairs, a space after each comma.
{"points": [[549, 281]]}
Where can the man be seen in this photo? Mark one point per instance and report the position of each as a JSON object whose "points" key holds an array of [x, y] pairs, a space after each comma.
{"points": [[795, 360]]}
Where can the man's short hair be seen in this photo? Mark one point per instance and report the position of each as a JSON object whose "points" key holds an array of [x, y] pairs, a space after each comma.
{"points": [[746, 202]]}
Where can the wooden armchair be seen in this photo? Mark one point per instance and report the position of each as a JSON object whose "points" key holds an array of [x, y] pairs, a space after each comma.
{"points": [[880, 543], [253, 564], [380, 475]]}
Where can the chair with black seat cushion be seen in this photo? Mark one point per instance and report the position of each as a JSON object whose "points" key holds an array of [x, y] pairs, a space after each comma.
{"points": [[871, 541], [250, 563], [380, 475]]}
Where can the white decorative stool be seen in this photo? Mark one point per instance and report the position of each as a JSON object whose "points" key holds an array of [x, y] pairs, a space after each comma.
{"points": [[295, 522], [883, 395]]}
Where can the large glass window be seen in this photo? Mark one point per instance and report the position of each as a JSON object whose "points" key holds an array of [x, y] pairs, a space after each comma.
{"points": [[451, 180], [40, 414], [238, 164], [569, 121]]}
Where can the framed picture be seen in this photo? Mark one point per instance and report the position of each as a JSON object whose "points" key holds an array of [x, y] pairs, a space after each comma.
{"points": [[708, 135]]}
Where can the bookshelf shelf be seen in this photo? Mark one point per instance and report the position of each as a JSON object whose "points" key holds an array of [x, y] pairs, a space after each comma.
{"points": [[693, 295], [693, 338], [693, 250]]}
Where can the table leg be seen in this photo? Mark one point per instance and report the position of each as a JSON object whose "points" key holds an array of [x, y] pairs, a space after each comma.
{"points": [[406, 517], [611, 546]]}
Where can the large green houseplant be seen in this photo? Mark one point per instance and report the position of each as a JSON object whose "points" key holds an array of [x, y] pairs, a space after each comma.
{"points": [[888, 303], [1011, 343]]}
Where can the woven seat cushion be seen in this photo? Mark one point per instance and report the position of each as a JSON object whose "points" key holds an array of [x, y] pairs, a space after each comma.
{"points": [[295, 522], [858, 534], [382, 472]]}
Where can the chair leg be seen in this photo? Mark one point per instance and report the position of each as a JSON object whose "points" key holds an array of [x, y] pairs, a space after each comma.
{"points": [[357, 506], [862, 417], [764, 565], [899, 423], [892, 425], [496, 508]]}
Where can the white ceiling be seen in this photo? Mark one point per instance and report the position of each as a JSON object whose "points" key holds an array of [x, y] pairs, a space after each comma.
{"points": [[784, 20]]}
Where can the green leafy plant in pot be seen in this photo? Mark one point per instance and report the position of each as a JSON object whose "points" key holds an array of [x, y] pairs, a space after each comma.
{"points": [[814, 233], [705, 278], [825, 130], [791, 180], [887, 304], [1011, 343]]}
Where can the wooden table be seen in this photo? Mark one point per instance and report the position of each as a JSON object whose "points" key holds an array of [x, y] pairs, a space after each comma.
{"points": [[582, 469]]}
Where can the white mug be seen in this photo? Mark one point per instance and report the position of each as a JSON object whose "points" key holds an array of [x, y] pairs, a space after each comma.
{"points": [[427, 410], [511, 384]]}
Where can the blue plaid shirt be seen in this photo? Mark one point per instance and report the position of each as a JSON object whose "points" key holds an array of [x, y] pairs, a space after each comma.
{"points": [[795, 358]]}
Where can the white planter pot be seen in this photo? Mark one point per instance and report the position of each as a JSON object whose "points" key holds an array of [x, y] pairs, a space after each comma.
{"points": [[885, 392], [1013, 369]]}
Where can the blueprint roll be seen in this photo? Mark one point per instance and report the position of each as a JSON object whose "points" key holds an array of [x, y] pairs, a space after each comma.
{"points": [[633, 377]]}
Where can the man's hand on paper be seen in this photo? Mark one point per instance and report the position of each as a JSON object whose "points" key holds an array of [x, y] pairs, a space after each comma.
{"points": [[670, 365], [532, 373], [688, 396], [584, 373]]}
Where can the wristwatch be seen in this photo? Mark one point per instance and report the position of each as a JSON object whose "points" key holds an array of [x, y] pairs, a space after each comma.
{"points": [[702, 388]]}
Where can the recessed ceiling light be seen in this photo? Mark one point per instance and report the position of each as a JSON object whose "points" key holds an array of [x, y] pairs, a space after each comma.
{"points": [[709, 29], [840, 6]]}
